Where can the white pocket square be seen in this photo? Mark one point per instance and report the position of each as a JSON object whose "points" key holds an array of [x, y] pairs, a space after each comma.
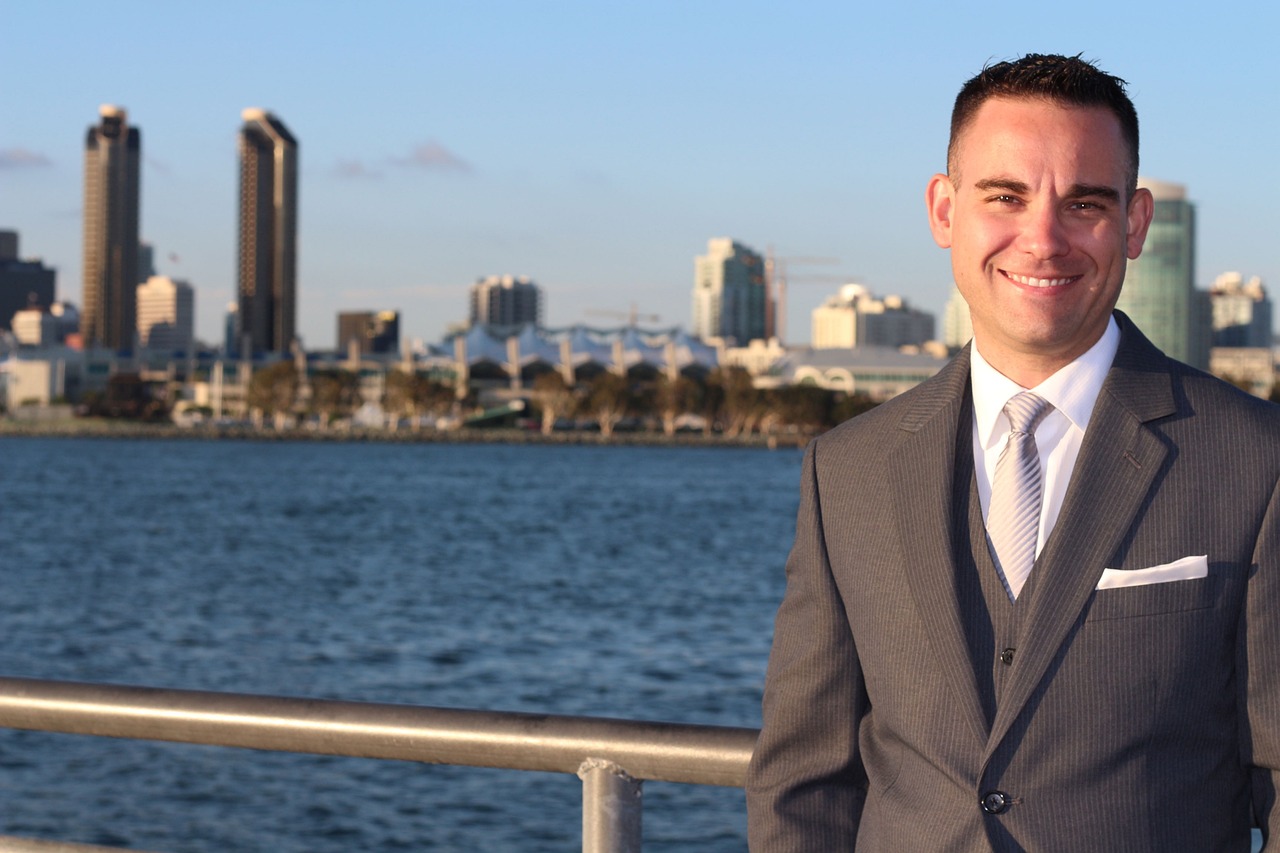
{"points": [[1188, 568]]}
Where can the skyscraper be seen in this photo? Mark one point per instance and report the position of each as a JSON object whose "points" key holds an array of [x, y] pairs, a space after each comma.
{"points": [[112, 154], [729, 293], [504, 300], [1159, 287], [23, 284], [268, 232]]}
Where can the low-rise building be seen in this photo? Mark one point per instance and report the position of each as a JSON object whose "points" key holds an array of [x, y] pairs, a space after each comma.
{"points": [[1251, 368], [1242, 312], [854, 318], [875, 372], [166, 315]]}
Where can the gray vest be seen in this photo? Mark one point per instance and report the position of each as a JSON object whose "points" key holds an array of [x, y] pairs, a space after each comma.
{"points": [[992, 622]]}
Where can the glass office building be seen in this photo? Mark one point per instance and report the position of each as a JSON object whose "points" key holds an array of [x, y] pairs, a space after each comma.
{"points": [[1159, 292]]}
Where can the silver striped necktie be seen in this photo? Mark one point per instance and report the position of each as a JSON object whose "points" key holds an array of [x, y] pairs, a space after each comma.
{"points": [[1014, 517]]}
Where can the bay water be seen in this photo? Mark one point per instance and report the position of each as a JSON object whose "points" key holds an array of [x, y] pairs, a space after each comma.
{"points": [[631, 582]]}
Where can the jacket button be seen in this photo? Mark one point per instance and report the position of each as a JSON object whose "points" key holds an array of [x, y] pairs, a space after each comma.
{"points": [[1006, 657], [995, 802]]}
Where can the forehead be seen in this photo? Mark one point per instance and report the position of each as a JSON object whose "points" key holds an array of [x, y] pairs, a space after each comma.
{"points": [[1028, 133]]}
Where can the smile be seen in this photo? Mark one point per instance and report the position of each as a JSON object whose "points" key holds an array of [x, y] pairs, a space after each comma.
{"points": [[1032, 281]]}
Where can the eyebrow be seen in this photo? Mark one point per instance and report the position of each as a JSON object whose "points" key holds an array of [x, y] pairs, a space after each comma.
{"points": [[1074, 192], [1093, 191], [1009, 184]]}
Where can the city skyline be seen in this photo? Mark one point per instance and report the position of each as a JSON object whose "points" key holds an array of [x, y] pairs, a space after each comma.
{"points": [[593, 150]]}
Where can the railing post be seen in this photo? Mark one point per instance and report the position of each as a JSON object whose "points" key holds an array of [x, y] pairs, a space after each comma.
{"points": [[611, 808]]}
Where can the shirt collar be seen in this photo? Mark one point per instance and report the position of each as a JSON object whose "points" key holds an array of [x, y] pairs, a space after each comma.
{"points": [[1072, 390]]}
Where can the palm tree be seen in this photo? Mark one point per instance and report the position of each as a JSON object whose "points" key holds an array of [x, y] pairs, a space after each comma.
{"points": [[554, 397], [608, 401], [274, 391]]}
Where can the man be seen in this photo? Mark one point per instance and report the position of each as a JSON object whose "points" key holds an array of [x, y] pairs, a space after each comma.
{"points": [[1075, 648]]}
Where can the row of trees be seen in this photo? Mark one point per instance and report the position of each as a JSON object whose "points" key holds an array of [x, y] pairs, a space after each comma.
{"points": [[725, 400]]}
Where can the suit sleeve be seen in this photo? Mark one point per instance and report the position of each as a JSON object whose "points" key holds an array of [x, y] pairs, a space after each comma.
{"points": [[806, 784], [1259, 660]]}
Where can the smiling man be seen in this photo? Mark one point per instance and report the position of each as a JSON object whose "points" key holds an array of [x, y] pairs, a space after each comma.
{"points": [[1033, 604]]}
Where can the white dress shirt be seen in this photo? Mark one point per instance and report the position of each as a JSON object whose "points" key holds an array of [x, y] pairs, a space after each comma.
{"points": [[1072, 391]]}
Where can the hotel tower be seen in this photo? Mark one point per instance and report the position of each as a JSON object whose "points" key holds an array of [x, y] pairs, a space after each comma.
{"points": [[112, 152], [268, 233]]}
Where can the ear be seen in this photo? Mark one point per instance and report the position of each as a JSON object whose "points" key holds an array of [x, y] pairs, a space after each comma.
{"points": [[1141, 208], [939, 199]]}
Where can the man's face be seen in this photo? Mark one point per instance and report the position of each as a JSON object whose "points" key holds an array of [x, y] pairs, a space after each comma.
{"points": [[1036, 218]]}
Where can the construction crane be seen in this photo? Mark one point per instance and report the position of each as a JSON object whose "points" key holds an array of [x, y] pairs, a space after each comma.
{"points": [[632, 317], [776, 276]]}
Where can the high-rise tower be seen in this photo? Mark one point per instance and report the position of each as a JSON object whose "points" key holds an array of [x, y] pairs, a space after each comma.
{"points": [[729, 298], [112, 153], [268, 232], [505, 301], [1159, 292]]}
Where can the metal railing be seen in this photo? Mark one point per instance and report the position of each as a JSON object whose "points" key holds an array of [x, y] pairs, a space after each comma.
{"points": [[612, 757]]}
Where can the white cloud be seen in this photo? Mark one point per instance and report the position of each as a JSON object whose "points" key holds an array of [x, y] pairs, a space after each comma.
{"points": [[21, 158]]}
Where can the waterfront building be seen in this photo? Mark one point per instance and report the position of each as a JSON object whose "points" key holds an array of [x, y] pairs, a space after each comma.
{"points": [[1250, 368], [729, 293], [268, 235], [504, 300], [112, 156], [166, 315], [374, 332], [486, 356], [875, 372], [38, 376], [854, 317], [1242, 314], [67, 316], [34, 327], [1159, 292], [757, 358], [23, 284], [957, 325]]}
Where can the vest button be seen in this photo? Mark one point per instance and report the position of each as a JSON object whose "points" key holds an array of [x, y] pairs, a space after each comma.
{"points": [[1006, 657], [995, 802]]}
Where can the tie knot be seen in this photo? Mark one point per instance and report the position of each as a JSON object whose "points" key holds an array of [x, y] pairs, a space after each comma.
{"points": [[1025, 411]]}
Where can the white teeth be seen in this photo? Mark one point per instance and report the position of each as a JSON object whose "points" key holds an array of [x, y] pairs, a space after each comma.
{"points": [[1032, 281]]}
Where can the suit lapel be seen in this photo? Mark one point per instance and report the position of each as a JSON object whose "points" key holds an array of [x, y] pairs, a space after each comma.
{"points": [[1114, 473], [922, 508]]}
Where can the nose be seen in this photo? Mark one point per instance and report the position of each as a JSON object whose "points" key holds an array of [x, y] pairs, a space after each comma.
{"points": [[1043, 233]]}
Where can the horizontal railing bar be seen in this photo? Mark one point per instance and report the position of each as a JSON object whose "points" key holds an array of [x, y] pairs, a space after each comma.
{"points": [[668, 752]]}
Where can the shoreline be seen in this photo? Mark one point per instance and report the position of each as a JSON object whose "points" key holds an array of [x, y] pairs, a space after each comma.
{"points": [[135, 431]]}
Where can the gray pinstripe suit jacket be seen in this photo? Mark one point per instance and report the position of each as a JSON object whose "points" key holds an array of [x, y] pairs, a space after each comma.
{"points": [[1134, 719]]}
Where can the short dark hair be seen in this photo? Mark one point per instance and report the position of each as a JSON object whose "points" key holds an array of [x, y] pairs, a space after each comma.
{"points": [[1067, 80]]}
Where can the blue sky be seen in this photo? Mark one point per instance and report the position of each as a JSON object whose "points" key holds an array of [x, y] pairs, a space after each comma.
{"points": [[595, 147]]}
